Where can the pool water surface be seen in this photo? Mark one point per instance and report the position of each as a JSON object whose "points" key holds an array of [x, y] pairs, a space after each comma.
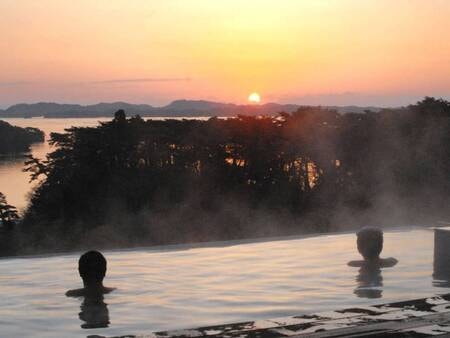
{"points": [[184, 287]]}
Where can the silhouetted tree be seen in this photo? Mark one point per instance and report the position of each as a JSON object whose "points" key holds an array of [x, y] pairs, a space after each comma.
{"points": [[8, 213]]}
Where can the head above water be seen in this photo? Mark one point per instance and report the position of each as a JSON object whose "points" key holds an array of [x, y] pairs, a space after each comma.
{"points": [[92, 268], [370, 242]]}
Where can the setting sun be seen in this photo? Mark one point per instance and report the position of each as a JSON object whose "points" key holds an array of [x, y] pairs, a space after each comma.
{"points": [[254, 98]]}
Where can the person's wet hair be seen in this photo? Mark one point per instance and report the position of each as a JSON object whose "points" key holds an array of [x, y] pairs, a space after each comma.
{"points": [[370, 242], [92, 267]]}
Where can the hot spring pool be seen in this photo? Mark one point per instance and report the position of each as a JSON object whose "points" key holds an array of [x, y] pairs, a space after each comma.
{"points": [[230, 282]]}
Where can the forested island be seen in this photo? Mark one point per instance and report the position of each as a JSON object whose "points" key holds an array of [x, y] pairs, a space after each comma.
{"points": [[132, 182], [14, 140]]}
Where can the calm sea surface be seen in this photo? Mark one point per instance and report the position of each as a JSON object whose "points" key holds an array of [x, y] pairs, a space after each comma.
{"points": [[189, 287], [14, 183]]}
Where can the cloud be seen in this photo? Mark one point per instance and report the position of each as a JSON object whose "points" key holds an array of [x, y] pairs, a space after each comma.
{"points": [[146, 79], [15, 83], [98, 82]]}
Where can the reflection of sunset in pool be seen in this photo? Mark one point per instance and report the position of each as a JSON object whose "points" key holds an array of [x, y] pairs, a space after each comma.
{"points": [[184, 288]]}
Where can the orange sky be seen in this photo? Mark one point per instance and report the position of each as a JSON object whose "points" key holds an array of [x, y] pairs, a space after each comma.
{"points": [[318, 52]]}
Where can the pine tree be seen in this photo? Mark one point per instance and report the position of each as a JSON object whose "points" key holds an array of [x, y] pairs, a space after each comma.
{"points": [[8, 213]]}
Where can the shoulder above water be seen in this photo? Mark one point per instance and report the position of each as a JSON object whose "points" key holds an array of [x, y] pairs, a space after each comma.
{"points": [[83, 292], [388, 262], [380, 263], [75, 293]]}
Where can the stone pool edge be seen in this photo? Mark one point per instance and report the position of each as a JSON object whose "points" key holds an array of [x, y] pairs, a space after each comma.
{"points": [[422, 317]]}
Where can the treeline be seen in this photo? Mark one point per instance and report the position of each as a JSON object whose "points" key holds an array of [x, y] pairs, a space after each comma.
{"points": [[131, 181], [17, 140]]}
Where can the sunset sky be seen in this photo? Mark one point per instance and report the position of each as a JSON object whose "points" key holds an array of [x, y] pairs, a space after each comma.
{"points": [[310, 52]]}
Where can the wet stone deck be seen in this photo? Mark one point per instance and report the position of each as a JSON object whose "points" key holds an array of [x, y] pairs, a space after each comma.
{"points": [[415, 318]]}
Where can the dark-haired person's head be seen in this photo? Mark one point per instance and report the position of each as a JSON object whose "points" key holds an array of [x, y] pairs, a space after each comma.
{"points": [[370, 242], [92, 268]]}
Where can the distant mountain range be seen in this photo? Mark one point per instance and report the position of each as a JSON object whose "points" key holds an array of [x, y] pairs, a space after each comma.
{"points": [[179, 108]]}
